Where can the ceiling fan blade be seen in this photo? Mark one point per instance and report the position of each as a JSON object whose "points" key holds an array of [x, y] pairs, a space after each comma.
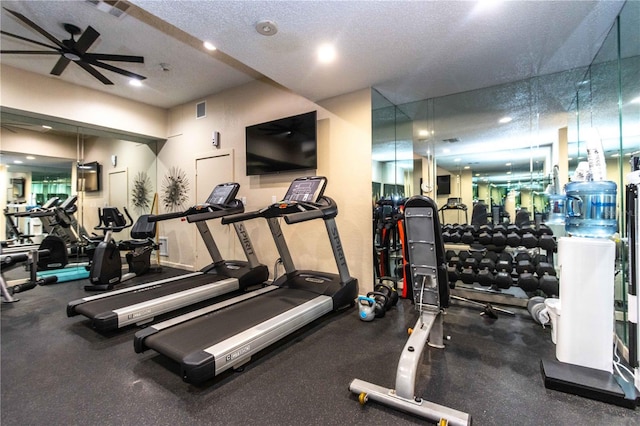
{"points": [[88, 68], [27, 39], [118, 58], [115, 69], [86, 39], [30, 52], [60, 66], [35, 26]]}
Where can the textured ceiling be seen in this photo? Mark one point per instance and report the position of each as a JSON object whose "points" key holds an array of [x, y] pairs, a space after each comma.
{"points": [[408, 50]]}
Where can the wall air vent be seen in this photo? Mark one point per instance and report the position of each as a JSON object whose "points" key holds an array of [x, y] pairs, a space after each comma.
{"points": [[201, 109], [116, 8], [451, 140]]}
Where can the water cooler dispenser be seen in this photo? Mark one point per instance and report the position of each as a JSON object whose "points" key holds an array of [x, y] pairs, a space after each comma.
{"points": [[586, 324]]}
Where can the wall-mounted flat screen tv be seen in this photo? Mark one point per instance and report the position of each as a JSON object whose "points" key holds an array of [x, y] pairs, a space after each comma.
{"points": [[443, 184], [283, 145], [88, 177]]}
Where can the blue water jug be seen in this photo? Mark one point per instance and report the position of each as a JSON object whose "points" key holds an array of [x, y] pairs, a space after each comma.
{"points": [[591, 209], [557, 211]]}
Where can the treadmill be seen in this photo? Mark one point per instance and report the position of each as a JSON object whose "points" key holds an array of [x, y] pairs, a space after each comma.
{"points": [[140, 304], [223, 336]]}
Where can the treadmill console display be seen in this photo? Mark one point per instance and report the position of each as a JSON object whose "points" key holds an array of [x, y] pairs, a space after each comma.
{"points": [[306, 190], [223, 193]]}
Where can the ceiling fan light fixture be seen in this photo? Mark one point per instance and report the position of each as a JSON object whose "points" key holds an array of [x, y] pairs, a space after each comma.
{"points": [[267, 27], [71, 56]]}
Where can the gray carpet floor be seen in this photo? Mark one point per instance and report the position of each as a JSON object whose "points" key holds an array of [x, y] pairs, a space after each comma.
{"points": [[57, 370]]}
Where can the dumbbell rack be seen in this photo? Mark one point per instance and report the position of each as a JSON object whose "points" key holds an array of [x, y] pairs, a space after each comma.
{"points": [[522, 247], [430, 295]]}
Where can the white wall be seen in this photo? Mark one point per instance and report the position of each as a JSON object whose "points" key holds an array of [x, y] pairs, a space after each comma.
{"points": [[344, 157], [344, 131], [49, 96]]}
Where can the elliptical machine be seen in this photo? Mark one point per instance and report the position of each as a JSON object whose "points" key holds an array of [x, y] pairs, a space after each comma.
{"points": [[106, 265]]}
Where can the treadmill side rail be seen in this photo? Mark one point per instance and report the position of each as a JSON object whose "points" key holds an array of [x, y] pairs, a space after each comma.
{"points": [[134, 314], [237, 350], [71, 306]]}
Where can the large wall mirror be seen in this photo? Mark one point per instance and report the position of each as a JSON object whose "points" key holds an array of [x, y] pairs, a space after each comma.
{"points": [[89, 167], [512, 146]]}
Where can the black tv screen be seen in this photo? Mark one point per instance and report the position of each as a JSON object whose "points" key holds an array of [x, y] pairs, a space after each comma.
{"points": [[88, 177], [443, 184], [283, 145]]}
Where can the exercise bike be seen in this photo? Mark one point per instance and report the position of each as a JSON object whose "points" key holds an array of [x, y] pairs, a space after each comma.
{"points": [[105, 270]]}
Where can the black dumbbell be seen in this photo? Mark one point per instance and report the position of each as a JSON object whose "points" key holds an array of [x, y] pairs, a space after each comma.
{"points": [[485, 235], [529, 240], [528, 282], [544, 230], [470, 262], [503, 279], [547, 243], [468, 275], [513, 239], [499, 239], [469, 234], [523, 266], [449, 254], [487, 263], [486, 277], [545, 268], [453, 274], [549, 285]]}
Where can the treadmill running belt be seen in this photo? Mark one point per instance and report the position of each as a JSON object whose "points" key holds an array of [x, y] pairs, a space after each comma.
{"points": [[96, 307], [179, 341]]}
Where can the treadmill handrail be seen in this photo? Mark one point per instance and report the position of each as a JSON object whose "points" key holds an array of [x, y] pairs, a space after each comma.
{"points": [[165, 216], [308, 211], [218, 210], [202, 212], [320, 210], [240, 217]]}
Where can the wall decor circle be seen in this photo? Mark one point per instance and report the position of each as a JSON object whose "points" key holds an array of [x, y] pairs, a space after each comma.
{"points": [[175, 187], [141, 192]]}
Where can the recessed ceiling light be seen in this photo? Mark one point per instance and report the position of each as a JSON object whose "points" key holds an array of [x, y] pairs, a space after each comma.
{"points": [[17, 161], [209, 46], [326, 53], [636, 100], [267, 27], [504, 120], [30, 157], [44, 126], [423, 132], [446, 150], [135, 82], [467, 167], [456, 160]]}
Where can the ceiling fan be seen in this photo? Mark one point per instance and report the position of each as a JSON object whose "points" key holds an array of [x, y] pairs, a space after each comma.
{"points": [[73, 50]]}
